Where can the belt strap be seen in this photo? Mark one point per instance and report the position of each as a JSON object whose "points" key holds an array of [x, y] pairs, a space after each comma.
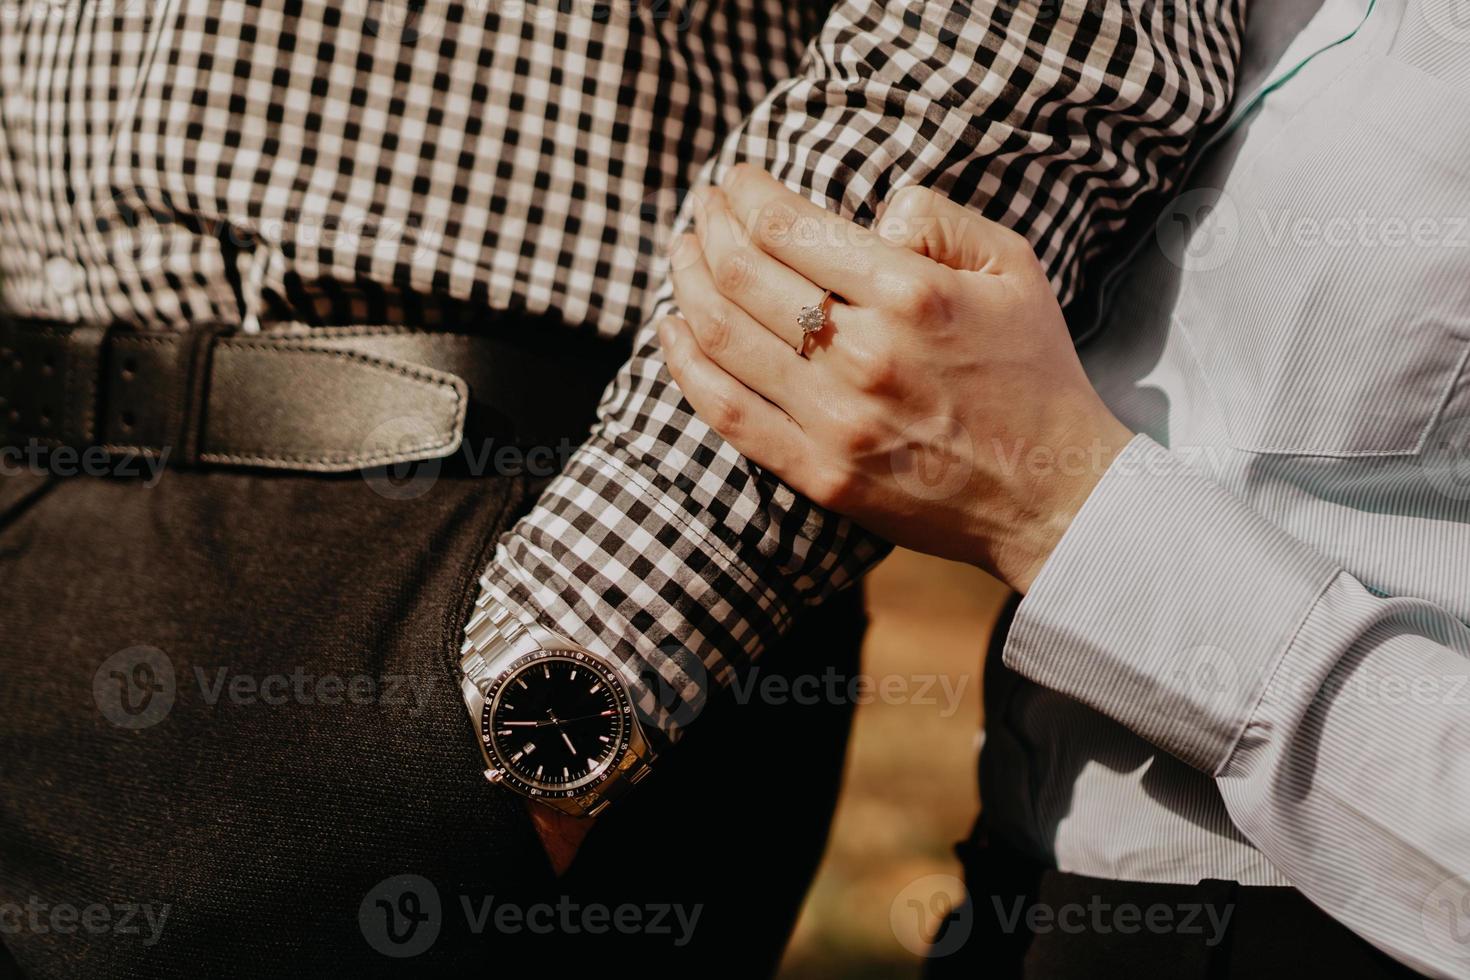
{"points": [[329, 400]]}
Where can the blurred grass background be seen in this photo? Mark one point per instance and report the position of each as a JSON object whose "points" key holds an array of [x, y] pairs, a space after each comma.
{"points": [[910, 789]]}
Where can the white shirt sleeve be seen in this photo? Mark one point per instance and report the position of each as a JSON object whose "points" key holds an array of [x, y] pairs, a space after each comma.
{"points": [[1336, 721]]}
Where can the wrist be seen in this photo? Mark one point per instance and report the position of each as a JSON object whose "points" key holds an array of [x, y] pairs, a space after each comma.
{"points": [[1053, 499]]}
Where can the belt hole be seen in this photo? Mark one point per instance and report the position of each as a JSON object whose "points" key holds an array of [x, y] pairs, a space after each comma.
{"points": [[129, 369], [128, 420], [48, 366]]}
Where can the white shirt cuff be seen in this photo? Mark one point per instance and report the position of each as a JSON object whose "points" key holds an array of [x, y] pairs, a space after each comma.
{"points": [[1167, 606]]}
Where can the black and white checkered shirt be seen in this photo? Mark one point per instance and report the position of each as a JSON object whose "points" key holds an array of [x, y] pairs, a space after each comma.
{"points": [[530, 155]]}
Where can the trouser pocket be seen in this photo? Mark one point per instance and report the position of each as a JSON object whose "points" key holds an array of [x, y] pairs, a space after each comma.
{"points": [[228, 699]]}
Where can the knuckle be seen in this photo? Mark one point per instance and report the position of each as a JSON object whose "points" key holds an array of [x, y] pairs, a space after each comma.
{"points": [[875, 367], [910, 202], [1035, 269], [1024, 271], [1016, 244], [735, 272], [740, 174], [905, 218], [775, 223], [921, 299], [718, 329], [857, 436], [676, 360], [724, 415], [676, 355]]}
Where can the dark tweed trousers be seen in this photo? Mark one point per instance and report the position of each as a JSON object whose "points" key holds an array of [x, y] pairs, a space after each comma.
{"points": [[231, 744]]}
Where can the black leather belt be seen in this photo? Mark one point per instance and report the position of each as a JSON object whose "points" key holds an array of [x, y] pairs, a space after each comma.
{"points": [[331, 399]]}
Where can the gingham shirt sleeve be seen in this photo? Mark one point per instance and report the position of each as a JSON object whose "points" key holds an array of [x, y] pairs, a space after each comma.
{"points": [[659, 544]]}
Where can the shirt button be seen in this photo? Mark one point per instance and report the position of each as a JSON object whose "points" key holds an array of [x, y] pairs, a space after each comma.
{"points": [[65, 278]]}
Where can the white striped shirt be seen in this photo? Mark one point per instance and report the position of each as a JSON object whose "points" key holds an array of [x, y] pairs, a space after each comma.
{"points": [[1248, 655]]}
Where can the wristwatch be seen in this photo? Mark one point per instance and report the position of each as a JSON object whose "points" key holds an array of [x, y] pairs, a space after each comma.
{"points": [[556, 721]]}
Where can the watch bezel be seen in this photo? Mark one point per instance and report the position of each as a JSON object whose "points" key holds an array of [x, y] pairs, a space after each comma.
{"points": [[605, 771]]}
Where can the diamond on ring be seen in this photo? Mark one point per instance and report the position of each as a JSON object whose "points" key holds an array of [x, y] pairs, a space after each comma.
{"points": [[812, 319]]}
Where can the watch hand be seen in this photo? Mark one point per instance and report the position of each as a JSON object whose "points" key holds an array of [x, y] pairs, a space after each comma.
{"points": [[564, 721]]}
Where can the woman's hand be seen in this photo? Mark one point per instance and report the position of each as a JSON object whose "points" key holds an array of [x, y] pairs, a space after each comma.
{"points": [[942, 406]]}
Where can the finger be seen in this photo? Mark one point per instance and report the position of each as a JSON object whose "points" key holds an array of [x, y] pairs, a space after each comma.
{"points": [[932, 225], [727, 335], [773, 294], [759, 430], [825, 248]]}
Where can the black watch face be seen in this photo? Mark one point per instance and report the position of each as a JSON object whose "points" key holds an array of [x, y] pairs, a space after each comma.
{"points": [[557, 722]]}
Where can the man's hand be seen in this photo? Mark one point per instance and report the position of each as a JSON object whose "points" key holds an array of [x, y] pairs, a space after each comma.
{"points": [[942, 406], [561, 834]]}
